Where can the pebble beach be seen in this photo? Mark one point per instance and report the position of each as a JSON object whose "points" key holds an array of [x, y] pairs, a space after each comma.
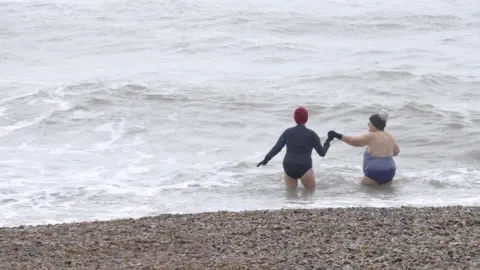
{"points": [[328, 238]]}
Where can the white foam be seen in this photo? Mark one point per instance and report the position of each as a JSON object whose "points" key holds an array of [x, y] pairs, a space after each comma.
{"points": [[63, 104], [24, 123], [8, 99], [85, 115], [459, 177], [116, 131]]}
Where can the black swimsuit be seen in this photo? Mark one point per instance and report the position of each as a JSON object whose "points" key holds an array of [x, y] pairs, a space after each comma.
{"points": [[300, 142], [296, 170]]}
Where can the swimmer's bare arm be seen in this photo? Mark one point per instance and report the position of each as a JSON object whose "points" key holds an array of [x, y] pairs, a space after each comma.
{"points": [[358, 141]]}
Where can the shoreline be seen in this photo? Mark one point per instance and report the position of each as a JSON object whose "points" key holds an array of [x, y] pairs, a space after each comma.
{"points": [[247, 211], [444, 237]]}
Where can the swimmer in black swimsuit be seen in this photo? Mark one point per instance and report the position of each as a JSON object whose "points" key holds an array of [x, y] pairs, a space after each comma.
{"points": [[300, 141]]}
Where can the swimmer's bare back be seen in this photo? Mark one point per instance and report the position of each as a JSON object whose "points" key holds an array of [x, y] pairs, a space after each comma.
{"points": [[382, 144]]}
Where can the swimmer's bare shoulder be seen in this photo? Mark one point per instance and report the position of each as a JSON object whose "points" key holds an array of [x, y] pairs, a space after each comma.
{"points": [[396, 148]]}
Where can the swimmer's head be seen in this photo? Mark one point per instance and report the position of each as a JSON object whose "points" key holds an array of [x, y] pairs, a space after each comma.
{"points": [[378, 121], [300, 115]]}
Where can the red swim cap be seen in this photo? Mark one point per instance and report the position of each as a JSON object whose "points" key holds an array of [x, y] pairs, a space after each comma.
{"points": [[300, 115]]}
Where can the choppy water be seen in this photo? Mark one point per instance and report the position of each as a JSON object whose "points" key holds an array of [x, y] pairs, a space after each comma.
{"points": [[112, 109]]}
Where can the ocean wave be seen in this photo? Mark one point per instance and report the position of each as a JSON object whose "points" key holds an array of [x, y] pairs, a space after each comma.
{"points": [[91, 97], [60, 115], [407, 110], [387, 74], [168, 97], [316, 78], [379, 25], [29, 95], [97, 95], [438, 79], [370, 52], [427, 112], [280, 46], [457, 125], [436, 19], [403, 22], [444, 178], [83, 88], [297, 24], [358, 109], [421, 110], [96, 101], [407, 78], [469, 154]]}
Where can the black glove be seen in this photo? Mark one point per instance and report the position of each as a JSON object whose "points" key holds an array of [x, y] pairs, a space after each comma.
{"points": [[330, 136], [263, 163], [333, 134]]}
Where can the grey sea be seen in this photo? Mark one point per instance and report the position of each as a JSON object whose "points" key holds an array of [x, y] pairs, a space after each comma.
{"points": [[114, 109]]}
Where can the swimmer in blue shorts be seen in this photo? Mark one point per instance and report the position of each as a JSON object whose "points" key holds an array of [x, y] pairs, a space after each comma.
{"points": [[378, 165], [300, 142]]}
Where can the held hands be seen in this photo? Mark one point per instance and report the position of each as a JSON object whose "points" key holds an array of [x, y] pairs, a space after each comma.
{"points": [[330, 137], [332, 134]]}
